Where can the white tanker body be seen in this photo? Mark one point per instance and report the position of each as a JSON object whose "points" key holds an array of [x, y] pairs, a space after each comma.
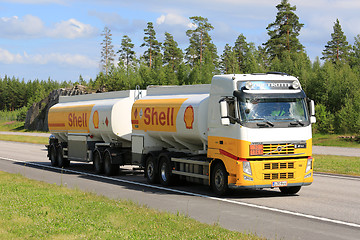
{"points": [[210, 134]]}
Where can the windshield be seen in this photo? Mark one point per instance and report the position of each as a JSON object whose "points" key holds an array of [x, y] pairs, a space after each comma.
{"points": [[273, 111]]}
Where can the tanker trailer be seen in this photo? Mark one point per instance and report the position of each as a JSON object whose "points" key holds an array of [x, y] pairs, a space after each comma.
{"points": [[92, 128], [242, 131]]}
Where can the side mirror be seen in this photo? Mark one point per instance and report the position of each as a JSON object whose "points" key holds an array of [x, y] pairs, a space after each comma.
{"points": [[224, 113], [312, 112]]}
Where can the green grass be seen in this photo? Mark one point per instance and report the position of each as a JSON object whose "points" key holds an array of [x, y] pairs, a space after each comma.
{"points": [[333, 140], [35, 210], [337, 164], [12, 126], [27, 139]]}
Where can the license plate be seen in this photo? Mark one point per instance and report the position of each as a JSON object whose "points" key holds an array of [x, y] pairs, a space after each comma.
{"points": [[279, 184]]}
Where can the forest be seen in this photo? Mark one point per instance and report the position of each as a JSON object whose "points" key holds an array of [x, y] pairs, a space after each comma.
{"points": [[332, 80]]}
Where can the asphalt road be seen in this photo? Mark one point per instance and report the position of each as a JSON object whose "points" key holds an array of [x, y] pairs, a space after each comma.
{"points": [[327, 209]]}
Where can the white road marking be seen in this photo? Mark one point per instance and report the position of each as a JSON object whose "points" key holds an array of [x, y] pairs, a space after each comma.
{"points": [[194, 194], [337, 176]]}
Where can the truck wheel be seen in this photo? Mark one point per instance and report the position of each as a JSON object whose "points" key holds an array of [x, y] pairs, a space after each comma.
{"points": [[290, 190], [219, 180], [150, 170], [110, 169], [165, 172], [53, 157], [62, 162], [98, 165]]}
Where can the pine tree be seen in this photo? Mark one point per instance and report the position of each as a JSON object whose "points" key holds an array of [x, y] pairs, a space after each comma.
{"points": [[241, 48], [284, 31], [337, 49], [153, 46], [107, 52], [200, 41], [127, 54], [228, 60], [355, 54], [173, 55]]}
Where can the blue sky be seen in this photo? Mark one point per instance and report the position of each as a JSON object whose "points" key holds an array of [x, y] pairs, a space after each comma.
{"points": [[61, 39]]}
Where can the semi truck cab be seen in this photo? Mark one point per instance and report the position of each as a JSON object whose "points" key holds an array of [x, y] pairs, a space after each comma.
{"points": [[263, 138]]}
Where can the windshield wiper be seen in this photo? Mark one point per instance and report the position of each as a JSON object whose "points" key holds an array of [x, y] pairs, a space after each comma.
{"points": [[295, 123], [262, 124]]}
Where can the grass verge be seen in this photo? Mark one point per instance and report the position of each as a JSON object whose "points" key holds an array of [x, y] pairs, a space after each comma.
{"points": [[12, 126], [35, 210], [337, 164], [333, 140], [27, 139]]}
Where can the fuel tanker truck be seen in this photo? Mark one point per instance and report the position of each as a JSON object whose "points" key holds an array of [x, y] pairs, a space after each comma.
{"points": [[245, 131]]}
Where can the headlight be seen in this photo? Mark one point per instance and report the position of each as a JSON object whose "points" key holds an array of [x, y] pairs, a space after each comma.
{"points": [[309, 164], [247, 168]]}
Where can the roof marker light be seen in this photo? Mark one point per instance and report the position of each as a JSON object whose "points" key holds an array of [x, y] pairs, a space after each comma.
{"points": [[295, 85], [249, 85]]}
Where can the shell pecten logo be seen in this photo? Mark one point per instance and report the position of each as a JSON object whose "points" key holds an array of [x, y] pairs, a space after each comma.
{"points": [[96, 119], [189, 117]]}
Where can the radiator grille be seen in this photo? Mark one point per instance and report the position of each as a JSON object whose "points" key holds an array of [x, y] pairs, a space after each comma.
{"points": [[275, 176], [281, 165], [278, 149]]}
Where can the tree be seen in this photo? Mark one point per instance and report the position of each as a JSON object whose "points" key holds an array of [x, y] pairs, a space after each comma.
{"points": [[200, 41], [241, 48], [228, 60], [127, 54], [284, 31], [337, 49], [150, 42], [107, 52], [173, 55], [355, 54]]}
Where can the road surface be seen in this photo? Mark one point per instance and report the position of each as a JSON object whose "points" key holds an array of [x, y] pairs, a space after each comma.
{"points": [[328, 209]]}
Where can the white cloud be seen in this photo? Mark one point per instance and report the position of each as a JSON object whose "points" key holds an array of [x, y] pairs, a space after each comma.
{"points": [[15, 27], [33, 27], [71, 28], [76, 60], [9, 58], [174, 19]]}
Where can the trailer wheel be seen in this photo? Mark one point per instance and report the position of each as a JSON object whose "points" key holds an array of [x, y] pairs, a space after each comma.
{"points": [[165, 171], [53, 157], [109, 168], [150, 170], [61, 161], [97, 163], [290, 190], [219, 180]]}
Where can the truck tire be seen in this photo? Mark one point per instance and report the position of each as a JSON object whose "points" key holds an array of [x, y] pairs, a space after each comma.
{"points": [[165, 171], [97, 163], [53, 155], [150, 170], [61, 161], [219, 180], [290, 190], [109, 168]]}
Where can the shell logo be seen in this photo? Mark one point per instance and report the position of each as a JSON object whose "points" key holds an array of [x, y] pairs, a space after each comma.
{"points": [[189, 117], [96, 119]]}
